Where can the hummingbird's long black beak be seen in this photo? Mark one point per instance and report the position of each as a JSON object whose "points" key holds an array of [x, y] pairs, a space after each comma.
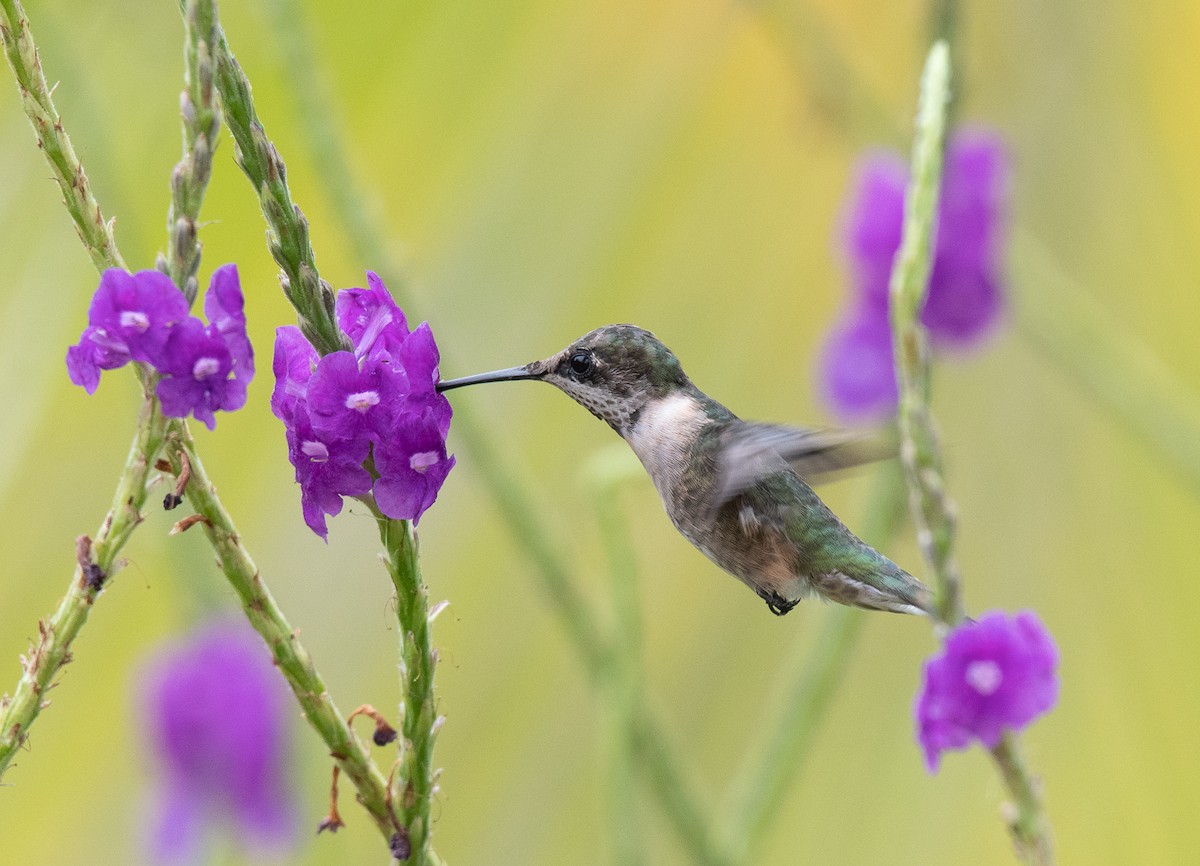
{"points": [[507, 375]]}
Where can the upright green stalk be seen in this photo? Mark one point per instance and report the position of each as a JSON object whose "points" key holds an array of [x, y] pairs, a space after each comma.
{"points": [[620, 686], [189, 180], [313, 298], [932, 509], [96, 559], [419, 721]]}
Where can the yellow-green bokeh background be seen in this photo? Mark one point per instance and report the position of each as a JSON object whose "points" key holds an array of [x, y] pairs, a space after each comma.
{"points": [[541, 168]]}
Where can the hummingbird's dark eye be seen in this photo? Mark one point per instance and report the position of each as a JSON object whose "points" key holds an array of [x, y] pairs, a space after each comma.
{"points": [[582, 363]]}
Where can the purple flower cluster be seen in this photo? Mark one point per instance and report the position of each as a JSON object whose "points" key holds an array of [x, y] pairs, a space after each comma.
{"points": [[993, 675], [144, 317], [376, 402], [964, 299], [217, 716]]}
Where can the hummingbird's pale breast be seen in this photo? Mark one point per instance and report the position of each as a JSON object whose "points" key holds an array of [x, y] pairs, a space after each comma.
{"points": [[665, 430]]}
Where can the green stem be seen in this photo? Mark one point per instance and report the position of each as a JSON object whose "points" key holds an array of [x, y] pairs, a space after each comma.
{"points": [[931, 506], [200, 123], [287, 228], [419, 721], [760, 785], [268, 620], [1028, 825], [22, 55], [95, 567]]}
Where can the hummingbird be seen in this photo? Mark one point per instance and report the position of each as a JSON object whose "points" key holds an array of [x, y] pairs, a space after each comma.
{"points": [[735, 489]]}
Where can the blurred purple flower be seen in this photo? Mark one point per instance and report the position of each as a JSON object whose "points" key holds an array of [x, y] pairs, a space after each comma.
{"points": [[377, 402], [994, 675], [130, 318], [964, 299], [143, 317], [856, 370], [217, 715]]}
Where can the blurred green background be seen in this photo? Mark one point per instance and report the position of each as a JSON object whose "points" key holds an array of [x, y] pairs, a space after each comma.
{"points": [[537, 169]]}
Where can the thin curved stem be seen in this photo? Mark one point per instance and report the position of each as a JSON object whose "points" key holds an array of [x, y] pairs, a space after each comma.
{"points": [[22, 54], [96, 564]]}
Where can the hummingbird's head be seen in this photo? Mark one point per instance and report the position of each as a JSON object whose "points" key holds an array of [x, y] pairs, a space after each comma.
{"points": [[613, 372]]}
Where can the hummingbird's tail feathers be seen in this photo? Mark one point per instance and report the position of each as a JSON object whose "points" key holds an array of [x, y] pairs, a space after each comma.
{"points": [[895, 592]]}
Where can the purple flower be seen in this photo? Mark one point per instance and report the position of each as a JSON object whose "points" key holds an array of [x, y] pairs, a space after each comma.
{"points": [[196, 367], [412, 465], [326, 470], [130, 318], [377, 402], [217, 716], [964, 299], [994, 675], [143, 317], [349, 400]]}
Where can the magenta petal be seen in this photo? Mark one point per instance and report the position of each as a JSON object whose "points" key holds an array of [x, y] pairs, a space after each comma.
{"points": [[412, 464], [177, 827], [365, 314], [94, 352], [196, 365], [875, 221], [326, 469], [138, 309], [293, 364], [378, 400], [224, 308], [419, 357]]}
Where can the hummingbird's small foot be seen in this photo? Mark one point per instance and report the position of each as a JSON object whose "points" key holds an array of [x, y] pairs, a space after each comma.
{"points": [[777, 604]]}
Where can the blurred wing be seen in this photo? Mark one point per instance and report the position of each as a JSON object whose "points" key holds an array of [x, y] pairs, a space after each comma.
{"points": [[750, 451]]}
